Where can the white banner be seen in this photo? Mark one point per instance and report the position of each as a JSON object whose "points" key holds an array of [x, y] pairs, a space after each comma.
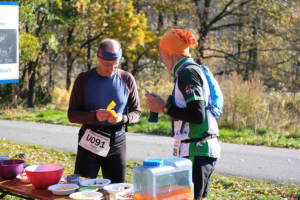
{"points": [[9, 42]]}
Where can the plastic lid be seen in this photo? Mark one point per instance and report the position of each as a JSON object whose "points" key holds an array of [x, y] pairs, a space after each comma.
{"points": [[4, 157], [153, 162]]}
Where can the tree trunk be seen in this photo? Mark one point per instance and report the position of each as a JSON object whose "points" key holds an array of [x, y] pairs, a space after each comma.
{"points": [[13, 95], [69, 57], [88, 55], [51, 83], [31, 84], [175, 19], [238, 66], [160, 22], [137, 6], [203, 28], [32, 67], [69, 70], [124, 65], [53, 60], [252, 53]]}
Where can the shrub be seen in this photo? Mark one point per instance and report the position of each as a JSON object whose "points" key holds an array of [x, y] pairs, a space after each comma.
{"points": [[284, 112], [247, 104], [161, 84], [244, 102], [60, 97]]}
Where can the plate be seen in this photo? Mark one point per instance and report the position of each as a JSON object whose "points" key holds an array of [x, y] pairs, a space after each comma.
{"points": [[63, 189], [89, 195], [23, 178], [95, 182], [118, 187]]}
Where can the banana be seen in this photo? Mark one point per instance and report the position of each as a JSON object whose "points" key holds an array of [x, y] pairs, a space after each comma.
{"points": [[110, 107]]}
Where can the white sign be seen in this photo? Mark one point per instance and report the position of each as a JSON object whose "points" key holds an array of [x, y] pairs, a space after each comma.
{"points": [[9, 42]]}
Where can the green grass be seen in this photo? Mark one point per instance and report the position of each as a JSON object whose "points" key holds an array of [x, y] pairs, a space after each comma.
{"points": [[222, 187], [52, 116], [269, 138], [163, 127]]}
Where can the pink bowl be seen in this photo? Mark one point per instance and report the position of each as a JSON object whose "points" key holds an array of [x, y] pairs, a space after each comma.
{"points": [[44, 175], [9, 169]]}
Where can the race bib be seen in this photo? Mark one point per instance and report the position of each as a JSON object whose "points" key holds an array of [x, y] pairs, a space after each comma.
{"points": [[181, 129], [96, 143], [180, 132]]}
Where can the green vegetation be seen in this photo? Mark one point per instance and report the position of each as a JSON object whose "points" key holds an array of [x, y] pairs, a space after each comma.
{"points": [[47, 115], [266, 138], [252, 46], [242, 36], [163, 127], [222, 186]]}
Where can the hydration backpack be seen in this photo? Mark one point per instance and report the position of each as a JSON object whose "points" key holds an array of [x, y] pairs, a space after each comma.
{"points": [[216, 100]]}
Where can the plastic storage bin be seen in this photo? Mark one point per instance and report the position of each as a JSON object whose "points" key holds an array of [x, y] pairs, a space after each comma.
{"points": [[163, 179]]}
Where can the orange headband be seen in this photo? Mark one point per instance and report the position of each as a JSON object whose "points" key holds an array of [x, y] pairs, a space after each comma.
{"points": [[177, 42]]}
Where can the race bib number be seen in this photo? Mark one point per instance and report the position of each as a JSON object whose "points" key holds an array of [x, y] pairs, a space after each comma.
{"points": [[176, 148], [180, 149], [98, 144]]}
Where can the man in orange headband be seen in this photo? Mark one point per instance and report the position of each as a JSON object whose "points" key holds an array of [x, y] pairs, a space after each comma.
{"points": [[195, 129]]}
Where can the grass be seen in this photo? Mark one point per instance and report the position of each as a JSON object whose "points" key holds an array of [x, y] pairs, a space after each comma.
{"points": [[269, 138], [163, 127], [53, 116], [222, 187]]}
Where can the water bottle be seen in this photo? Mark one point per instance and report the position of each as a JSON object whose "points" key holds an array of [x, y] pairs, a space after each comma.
{"points": [[169, 178], [153, 118]]}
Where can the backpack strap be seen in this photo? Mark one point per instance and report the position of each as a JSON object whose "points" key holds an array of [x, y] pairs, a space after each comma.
{"points": [[215, 102], [186, 64]]}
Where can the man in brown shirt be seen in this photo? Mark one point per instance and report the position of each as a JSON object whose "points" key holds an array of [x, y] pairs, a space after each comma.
{"points": [[102, 141]]}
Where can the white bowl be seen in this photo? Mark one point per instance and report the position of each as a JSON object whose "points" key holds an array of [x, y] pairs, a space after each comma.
{"points": [[23, 178], [118, 187], [86, 195], [95, 182], [63, 189]]}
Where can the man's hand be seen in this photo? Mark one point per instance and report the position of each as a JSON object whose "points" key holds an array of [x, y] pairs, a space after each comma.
{"points": [[115, 119], [155, 103], [102, 115]]}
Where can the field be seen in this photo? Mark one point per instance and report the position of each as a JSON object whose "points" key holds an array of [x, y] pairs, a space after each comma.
{"points": [[222, 187]]}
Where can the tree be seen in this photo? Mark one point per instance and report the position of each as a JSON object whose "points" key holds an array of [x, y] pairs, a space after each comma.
{"points": [[138, 42], [69, 45], [117, 19], [36, 20]]}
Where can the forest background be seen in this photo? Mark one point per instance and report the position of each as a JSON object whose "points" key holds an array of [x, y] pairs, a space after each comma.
{"points": [[252, 47]]}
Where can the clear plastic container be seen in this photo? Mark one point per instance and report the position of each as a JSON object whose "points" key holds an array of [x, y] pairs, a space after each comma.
{"points": [[163, 179]]}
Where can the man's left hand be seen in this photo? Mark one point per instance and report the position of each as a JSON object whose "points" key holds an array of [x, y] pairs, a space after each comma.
{"points": [[115, 119], [155, 103]]}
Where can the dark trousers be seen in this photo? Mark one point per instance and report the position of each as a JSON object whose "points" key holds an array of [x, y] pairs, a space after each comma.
{"points": [[203, 167], [113, 166]]}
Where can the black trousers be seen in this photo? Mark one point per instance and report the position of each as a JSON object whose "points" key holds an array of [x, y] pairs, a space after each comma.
{"points": [[113, 166], [203, 167]]}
